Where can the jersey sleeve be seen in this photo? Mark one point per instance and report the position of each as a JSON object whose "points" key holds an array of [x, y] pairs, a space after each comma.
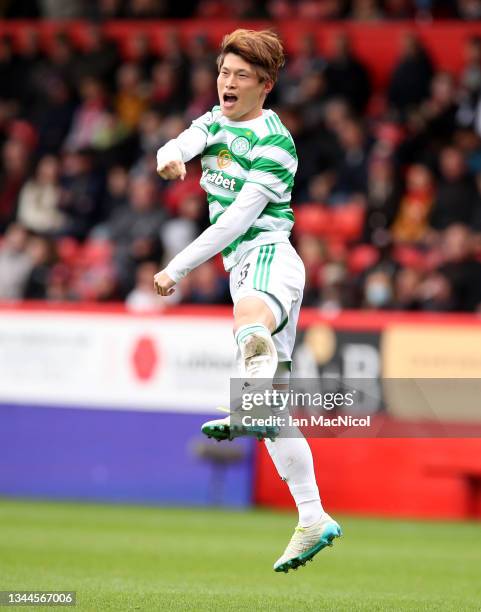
{"points": [[234, 222], [189, 143], [274, 166]]}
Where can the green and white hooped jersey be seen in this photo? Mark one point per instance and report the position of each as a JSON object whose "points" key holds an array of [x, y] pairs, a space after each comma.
{"points": [[260, 151]]}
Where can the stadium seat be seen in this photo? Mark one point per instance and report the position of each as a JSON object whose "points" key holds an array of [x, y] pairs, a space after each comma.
{"points": [[361, 257], [313, 219], [346, 222]]}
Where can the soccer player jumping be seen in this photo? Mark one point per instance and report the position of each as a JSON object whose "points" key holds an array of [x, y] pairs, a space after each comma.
{"points": [[248, 165]]}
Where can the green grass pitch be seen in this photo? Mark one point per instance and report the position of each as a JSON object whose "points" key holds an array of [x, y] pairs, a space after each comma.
{"points": [[133, 558]]}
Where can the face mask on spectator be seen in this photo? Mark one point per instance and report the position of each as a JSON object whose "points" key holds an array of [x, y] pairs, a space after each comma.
{"points": [[378, 294]]}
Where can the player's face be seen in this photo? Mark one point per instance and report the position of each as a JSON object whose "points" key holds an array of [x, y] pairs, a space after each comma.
{"points": [[241, 93]]}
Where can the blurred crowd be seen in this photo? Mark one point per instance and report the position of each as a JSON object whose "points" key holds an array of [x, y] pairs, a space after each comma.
{"points": [[360, 10], [387, 197]]}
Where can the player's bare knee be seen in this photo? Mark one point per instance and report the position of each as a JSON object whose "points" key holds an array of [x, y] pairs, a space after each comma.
{"points": [[250, 310]]}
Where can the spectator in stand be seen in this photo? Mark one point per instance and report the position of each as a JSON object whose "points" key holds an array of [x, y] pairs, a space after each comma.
{"points": [[409, 82], [20, 9], [365, 10], [13, 173], [440, 110], [469, 111], [307, 60], [146, 9], [407, 283], [476, 218], [113, 143], [320, 188], [200, 52], [207, 286], [62, 61], [456, 197], [90, 116], [28, 63], [382, 199], [67, 9], [346, 76], [54, 117], [469, 143], [80, 191], [398, 9], [142, 298], [141, 54], [436, 293], [424, 9], [131, 97], [203, 92], [312, 252], [15, 263], [115, 196], [151, 132], [351, 169], [41, 252], [166, 96], [7, 70], [59, 285], [175, 56], [334, 295], [98, 59], [280, 9], [412, 220], [329, 9], [470, 79], [461, 268], [6, 112], [310, 96], [247, 9], [317, 150], [106, 9], [135, 230], [211, 9], [469, 10], [177, 233], [39, 199], [378, 291]]}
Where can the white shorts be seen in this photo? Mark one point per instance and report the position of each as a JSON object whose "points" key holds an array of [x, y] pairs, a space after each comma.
{"points": [[274, 273]]}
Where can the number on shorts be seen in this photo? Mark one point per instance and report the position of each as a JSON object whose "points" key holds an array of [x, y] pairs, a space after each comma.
{"points": [[243, 275]]}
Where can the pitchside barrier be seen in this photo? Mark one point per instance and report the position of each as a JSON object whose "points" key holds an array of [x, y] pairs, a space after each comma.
{"points": [[100, 403]]}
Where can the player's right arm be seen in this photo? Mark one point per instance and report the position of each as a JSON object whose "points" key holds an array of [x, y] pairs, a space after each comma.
{"points": [[172, 156]]}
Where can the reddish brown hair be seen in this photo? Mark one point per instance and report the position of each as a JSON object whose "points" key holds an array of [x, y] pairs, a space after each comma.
{"points": [[261, 49]]}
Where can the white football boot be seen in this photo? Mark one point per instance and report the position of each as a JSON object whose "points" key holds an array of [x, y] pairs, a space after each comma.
{"points": [[307, 542]]}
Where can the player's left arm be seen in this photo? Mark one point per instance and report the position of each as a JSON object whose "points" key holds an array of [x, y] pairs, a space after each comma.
{"points": [[234, 222]]}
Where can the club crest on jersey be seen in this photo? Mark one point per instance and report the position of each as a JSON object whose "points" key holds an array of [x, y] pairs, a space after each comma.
{"points": [[240, 146], [224, 158]]}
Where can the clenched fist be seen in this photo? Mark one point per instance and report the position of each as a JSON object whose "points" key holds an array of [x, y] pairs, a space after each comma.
{"points": [[163, 284], [172, 170]]}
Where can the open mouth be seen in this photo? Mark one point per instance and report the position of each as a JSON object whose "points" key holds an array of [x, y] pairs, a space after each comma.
{"points": [[229, 100]]}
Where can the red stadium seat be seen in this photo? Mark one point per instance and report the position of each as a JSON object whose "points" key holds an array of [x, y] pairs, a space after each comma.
{"points": [[347, 222], [410, 257], [95, 253], [362, 257], [68, 250], [313, 219]]}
